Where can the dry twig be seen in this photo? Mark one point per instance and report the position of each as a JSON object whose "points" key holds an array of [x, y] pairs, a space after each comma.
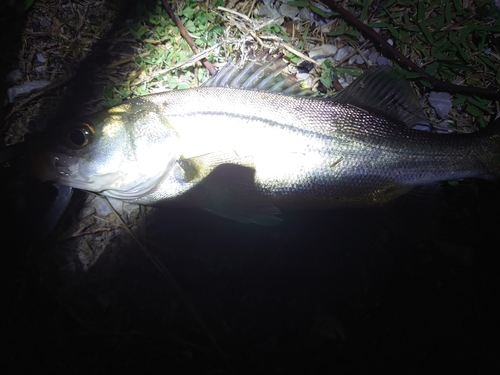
{"points": [[187, 37]]}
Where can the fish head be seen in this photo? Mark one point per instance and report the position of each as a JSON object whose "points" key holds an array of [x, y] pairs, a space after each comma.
{"points": [[123, 152]]}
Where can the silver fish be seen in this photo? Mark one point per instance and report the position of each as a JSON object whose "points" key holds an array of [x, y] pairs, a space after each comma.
{"points": [[249, 144]]}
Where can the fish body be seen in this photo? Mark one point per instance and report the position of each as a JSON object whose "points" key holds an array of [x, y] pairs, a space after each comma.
{"points": [[247, 154]]}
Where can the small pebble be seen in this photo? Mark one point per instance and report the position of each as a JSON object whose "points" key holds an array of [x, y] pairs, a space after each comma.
{"points": [[325, 29], [441, 102], [40, 58], [359, 60], [326, 50], [14, 76], [422, 127], [306, 15], [444, 127], [373, 57], [269, 12], [342, 53], [383, 61], [45, 22], [24, 89], [302, 76], [342, 80], [289, 11]]}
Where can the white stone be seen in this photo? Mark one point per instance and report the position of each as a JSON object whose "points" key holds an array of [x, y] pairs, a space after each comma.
{"points": [[359, 60], [441, 102], [341, 53], [323, 51], [373, 57], [306, 15], [267, 11], [383, 61], [302, 76], [24, 89], [289, 11]]}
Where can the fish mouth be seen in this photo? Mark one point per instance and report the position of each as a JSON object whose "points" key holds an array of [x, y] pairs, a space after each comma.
{"points": [[64, 169], [74, 171], [56, 167], [66, 166]]}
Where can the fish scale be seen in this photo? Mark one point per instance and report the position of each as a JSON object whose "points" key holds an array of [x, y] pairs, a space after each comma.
{"points": [[338, 131], [246, 154]]}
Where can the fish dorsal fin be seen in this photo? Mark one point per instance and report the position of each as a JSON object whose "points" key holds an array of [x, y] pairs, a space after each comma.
{"points": [[384, 91], [264, 75]]}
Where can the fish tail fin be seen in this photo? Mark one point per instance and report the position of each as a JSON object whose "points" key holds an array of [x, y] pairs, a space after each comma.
{"points": [[489, 150]]}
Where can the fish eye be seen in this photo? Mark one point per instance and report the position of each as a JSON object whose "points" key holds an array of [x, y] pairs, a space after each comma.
{"points": [[79, 136]]}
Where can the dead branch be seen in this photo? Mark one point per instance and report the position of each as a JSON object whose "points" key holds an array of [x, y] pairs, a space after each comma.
{"points": [[184, 33]]}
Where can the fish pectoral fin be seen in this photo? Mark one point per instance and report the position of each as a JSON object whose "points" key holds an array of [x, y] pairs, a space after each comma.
{"points": [[200, 166], [230, 191], [251, 211]]}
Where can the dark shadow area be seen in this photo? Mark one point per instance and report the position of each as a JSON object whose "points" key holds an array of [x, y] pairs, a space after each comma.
{"points": [[11, 25], [91, 77], [343, 291]]}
